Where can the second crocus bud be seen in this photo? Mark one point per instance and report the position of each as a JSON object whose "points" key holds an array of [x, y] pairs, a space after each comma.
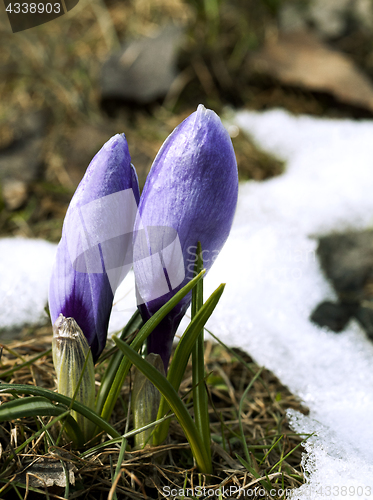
{"points": [[190, 196], [145, 401], [72, 359]]}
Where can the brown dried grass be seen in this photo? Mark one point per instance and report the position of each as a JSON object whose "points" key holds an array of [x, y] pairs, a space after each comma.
{"points": [[144, 473]]}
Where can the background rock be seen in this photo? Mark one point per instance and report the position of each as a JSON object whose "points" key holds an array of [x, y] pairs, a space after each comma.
{"points": [[330, 18], [144, 69], [21, 156], [347, 261]]}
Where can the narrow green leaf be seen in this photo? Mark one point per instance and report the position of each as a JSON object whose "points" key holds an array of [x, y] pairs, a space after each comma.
{"points": [[127, 435], [39, 406], [200, 399], [28, 407], [21, 389], [180, 359], [240, 359], [243, 438], [290, 452], [23, 486], [269, 451], [247, 466], [266, 484], [145, 331], [34, 436], [178, 407]]}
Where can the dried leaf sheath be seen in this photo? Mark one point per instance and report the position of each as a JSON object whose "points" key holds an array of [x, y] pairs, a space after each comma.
{"points": [[70, 349]]}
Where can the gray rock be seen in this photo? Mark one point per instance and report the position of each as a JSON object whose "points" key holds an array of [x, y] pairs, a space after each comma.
{"points": [[144, 69], [332, 315], [330, 18], [347, 261]]}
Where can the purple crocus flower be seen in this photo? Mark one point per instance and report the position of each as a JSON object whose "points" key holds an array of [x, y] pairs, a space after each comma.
{"points": [[190, 195], [95, 250]]}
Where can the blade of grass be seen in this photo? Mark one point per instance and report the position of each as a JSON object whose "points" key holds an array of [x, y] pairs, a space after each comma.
{"points": [[18, 485], [178, 407], [200, 398], [271, 448], [38, 406], [121, 453], [291, 451], [20, 389], [16, 490], [34, 436], [240, 359], [243, 439], [256, 474], [127, 435]]}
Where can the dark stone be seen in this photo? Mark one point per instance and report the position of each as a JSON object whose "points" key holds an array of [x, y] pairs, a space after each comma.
{"points": [[334, 316], [143, 70], [347, 261]]}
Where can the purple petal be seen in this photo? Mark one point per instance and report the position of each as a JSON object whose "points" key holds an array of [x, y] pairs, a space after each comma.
{"points": [[192, 187], [96, 244]]}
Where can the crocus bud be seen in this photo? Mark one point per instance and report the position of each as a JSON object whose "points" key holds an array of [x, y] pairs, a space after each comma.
{"points": [[70, 352], [145, 401], [191, 190], [95, 251]]}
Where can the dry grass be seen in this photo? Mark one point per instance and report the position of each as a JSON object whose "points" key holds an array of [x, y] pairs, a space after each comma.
{"points": [[274, 449]]}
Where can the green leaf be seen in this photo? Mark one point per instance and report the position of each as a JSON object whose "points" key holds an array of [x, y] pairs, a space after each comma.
{"points": [[38, 406], [34, 436], [290, 452], [21, 389], [178, 407], [247, 466], [266, 484], [127, 435], [145, 331], [180, 359], [200, 399], [28, 407], [243, 438]]}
